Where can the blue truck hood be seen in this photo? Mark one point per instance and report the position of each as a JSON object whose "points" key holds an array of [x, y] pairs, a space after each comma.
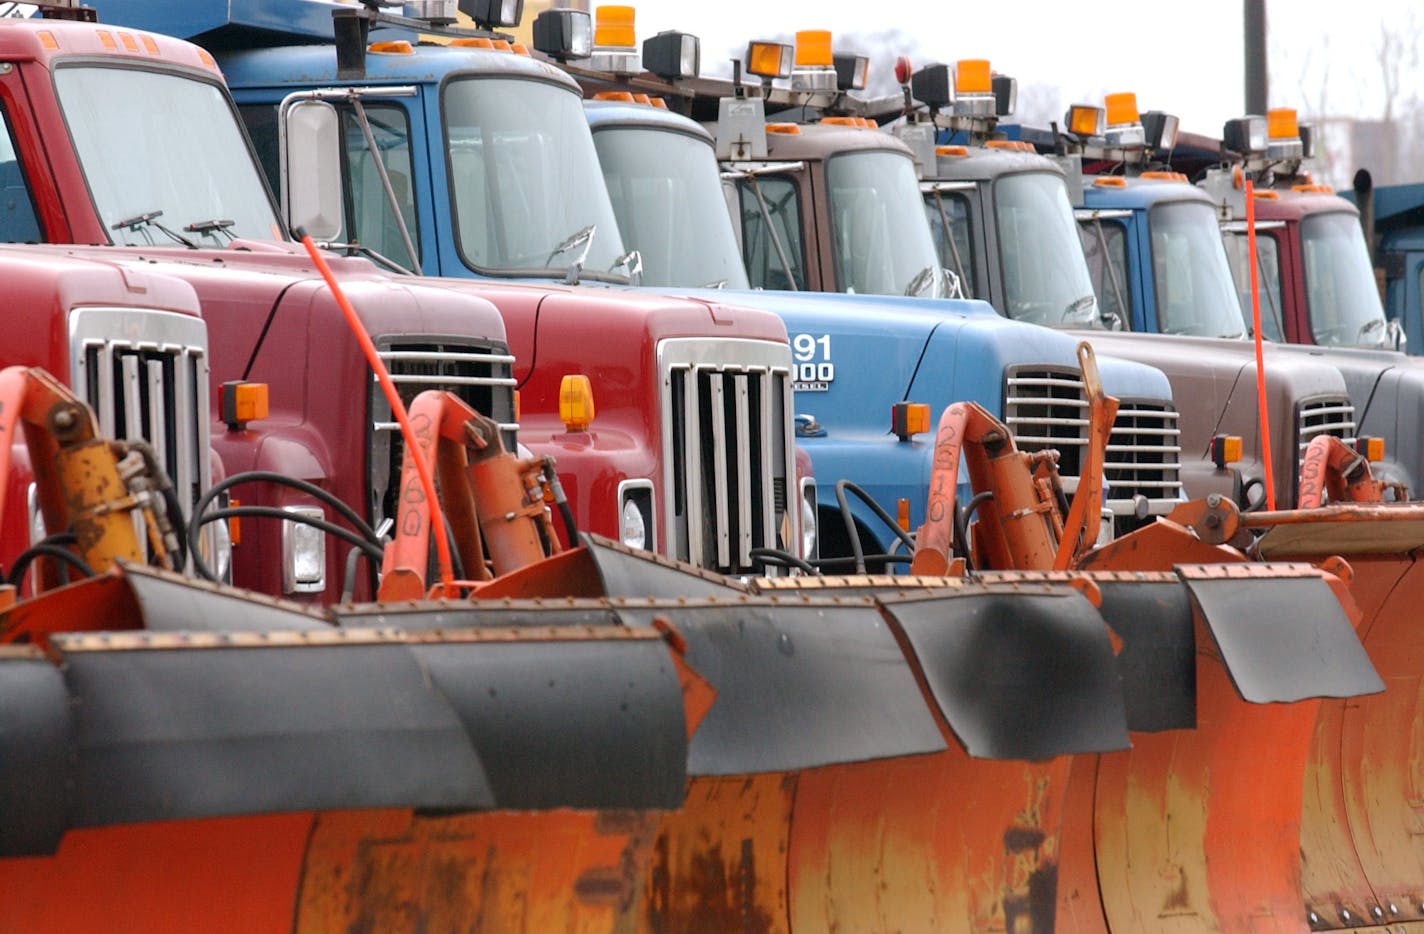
{"points": [[937, 351]]}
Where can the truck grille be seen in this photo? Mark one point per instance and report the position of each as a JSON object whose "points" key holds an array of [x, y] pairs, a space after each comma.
{"points": [[481, 374], [145, 375], [726, 439], [1328, 415], [1046, 407]]}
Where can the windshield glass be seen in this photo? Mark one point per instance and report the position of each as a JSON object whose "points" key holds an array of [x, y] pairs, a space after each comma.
{"points": [[1045, 275], [160, 150], [1340, 289], [667, 195], [1195, 292], [1105, 249], [525, 178], [1268, 279], [882, 240], [951, 209]]}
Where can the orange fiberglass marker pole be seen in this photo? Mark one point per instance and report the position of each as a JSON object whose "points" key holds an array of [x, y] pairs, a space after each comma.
{"points": [[412, 449], [1260, 357]]}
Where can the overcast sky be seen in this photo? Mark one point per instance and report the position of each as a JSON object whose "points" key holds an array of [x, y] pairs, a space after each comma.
{"points": [[1188, 63]]}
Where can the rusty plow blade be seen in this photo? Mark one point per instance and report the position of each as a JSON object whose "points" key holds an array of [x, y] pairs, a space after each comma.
{"points": [[1201, 828], [1362, 839], [256, 765]]}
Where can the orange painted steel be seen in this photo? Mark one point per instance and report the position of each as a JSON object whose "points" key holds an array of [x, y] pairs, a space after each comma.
{"points": [[1363, 821], [926, 843], [493, 501], [379, 870], [1332, 472], [1197, 829]]}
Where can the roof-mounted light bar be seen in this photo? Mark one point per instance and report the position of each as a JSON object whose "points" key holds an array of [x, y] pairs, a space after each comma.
{"points": [[435, 12], [673, 55], [1283, 135], [493, 14], [770, 60], [815, 62], [851, 71], [1124, 124], [974, 88], [564, 35], [615, 40]]}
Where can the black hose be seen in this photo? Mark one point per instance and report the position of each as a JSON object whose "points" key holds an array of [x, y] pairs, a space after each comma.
{"points": [[841, 487], [370, 549], [52, 548], [783, 559], [961, 525], [366, 538]]}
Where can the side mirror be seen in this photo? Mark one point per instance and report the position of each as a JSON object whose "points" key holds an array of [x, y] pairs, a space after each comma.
{"points": [[1394, 335], [311, 168]]}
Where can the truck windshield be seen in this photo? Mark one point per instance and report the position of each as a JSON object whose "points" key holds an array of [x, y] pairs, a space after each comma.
{"points": [[1046, 278], [164, 156], [882, 240], [667, 195], [525, 179], [1268, 279], [1190, 272], [1340, 289]]}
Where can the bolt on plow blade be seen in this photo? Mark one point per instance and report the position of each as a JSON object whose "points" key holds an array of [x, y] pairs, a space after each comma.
{"points": [[254, 766], [1203, 828], [1363, 862]]}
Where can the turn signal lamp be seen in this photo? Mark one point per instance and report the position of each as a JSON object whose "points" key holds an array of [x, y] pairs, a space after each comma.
{"points": [[1084, 120], [242, 403], [851, 71], [613, 28], [813, 49], [673, 55], [1371, 448], [564, 35], [492, 14], [951, 152], [1245, 134], [622, 97], [908, 419], [785, 129], [770, 59], [575, 402], [1225, 449], [394, 47]]}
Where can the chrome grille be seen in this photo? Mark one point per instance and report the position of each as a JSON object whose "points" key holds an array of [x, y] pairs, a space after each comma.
{"points": [[1046, 407], [1144, 455], [727, 438], [145, 375], [1327, 415], [481, 374]]}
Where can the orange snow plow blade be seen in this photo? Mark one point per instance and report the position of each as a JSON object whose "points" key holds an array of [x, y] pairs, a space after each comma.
{"points": [[1363, 863]]}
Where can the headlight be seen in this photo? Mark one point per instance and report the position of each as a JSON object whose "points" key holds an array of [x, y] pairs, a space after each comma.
{"points": [[808, 519], [635, 514], [303, 553], [635, 530]]}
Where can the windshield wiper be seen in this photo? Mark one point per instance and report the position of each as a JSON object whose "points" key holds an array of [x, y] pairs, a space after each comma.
{"points": [[204, 228], [923, 279], [632, 262], [584, 238], [1079, 304], [150, 219], [1367, 327]]}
